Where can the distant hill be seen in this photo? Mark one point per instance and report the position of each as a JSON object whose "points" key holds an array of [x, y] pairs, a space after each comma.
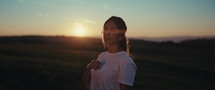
{"points": [[195, 43], [175, 38], [46, 39], [209, 43]]}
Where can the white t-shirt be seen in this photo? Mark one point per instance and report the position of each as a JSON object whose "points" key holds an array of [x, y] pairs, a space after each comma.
{"points": [[115, 68]]}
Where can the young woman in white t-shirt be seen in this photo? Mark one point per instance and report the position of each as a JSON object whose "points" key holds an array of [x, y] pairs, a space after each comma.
{"points": [[113, 69]]}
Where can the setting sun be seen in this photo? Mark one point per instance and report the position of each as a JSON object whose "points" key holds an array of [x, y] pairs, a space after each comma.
{"points": [[79, 31]]}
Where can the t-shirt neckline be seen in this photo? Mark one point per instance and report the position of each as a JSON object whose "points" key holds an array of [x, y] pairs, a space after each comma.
{"points": [[115, 53]]}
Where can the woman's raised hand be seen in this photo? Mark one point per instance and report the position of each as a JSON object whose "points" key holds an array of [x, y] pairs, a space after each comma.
{"points": [[94, 64]]}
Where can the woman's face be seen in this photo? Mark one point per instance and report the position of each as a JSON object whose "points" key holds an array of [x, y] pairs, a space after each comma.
{"points": [[111, 33]]}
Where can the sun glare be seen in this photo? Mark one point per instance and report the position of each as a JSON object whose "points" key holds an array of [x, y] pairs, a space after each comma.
{"points": [[79, 31]]}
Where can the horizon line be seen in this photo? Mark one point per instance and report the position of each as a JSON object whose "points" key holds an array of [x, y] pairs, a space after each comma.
{"points": [[156, 39]]}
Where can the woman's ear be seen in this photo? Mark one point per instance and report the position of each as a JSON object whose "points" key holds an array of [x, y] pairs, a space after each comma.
{"points": [[120, 36]]}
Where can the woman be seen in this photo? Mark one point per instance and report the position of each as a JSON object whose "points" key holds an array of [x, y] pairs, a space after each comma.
{"points": [[113, 69]]}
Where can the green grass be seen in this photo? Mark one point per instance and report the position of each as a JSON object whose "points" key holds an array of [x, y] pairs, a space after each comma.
{"points": [[60, 66]]}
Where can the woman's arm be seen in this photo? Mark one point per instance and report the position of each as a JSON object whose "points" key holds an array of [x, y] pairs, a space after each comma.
{"points": [[124, 87], [94, 64], [86, 80]]}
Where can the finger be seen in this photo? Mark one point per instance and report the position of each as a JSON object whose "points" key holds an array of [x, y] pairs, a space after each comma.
{"points": [[98, 62], [93, 60], [90, 66], [97, 65]]}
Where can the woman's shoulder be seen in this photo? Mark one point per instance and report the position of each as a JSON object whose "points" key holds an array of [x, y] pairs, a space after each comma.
{"points": [[101, 55], [124, 58]]}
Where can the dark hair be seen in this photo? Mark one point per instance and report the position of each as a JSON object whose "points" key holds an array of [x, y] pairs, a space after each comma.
{"points": [[123, 42]]}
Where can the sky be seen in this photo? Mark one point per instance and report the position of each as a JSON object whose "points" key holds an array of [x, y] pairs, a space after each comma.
{"points": [[144, 18]]}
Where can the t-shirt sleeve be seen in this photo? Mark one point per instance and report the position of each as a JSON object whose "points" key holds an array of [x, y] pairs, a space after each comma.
{"points": [[127, 73], [101, 56]]}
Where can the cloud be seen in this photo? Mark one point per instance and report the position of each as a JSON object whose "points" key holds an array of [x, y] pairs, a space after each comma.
{"points": [[89, 21], [77, 24], [42, 14]]}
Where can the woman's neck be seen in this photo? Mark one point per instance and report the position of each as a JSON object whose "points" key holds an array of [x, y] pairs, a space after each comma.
{"points": [[114, 48]]}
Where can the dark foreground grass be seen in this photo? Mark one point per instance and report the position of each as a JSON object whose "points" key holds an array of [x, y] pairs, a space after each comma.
{"points": [[60, 66]]}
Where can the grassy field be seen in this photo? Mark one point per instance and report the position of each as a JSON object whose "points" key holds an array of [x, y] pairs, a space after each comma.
{"points": [[58, 63]]}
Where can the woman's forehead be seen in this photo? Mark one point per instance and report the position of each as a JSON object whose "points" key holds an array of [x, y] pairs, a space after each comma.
{"points": [[110, 24]]}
